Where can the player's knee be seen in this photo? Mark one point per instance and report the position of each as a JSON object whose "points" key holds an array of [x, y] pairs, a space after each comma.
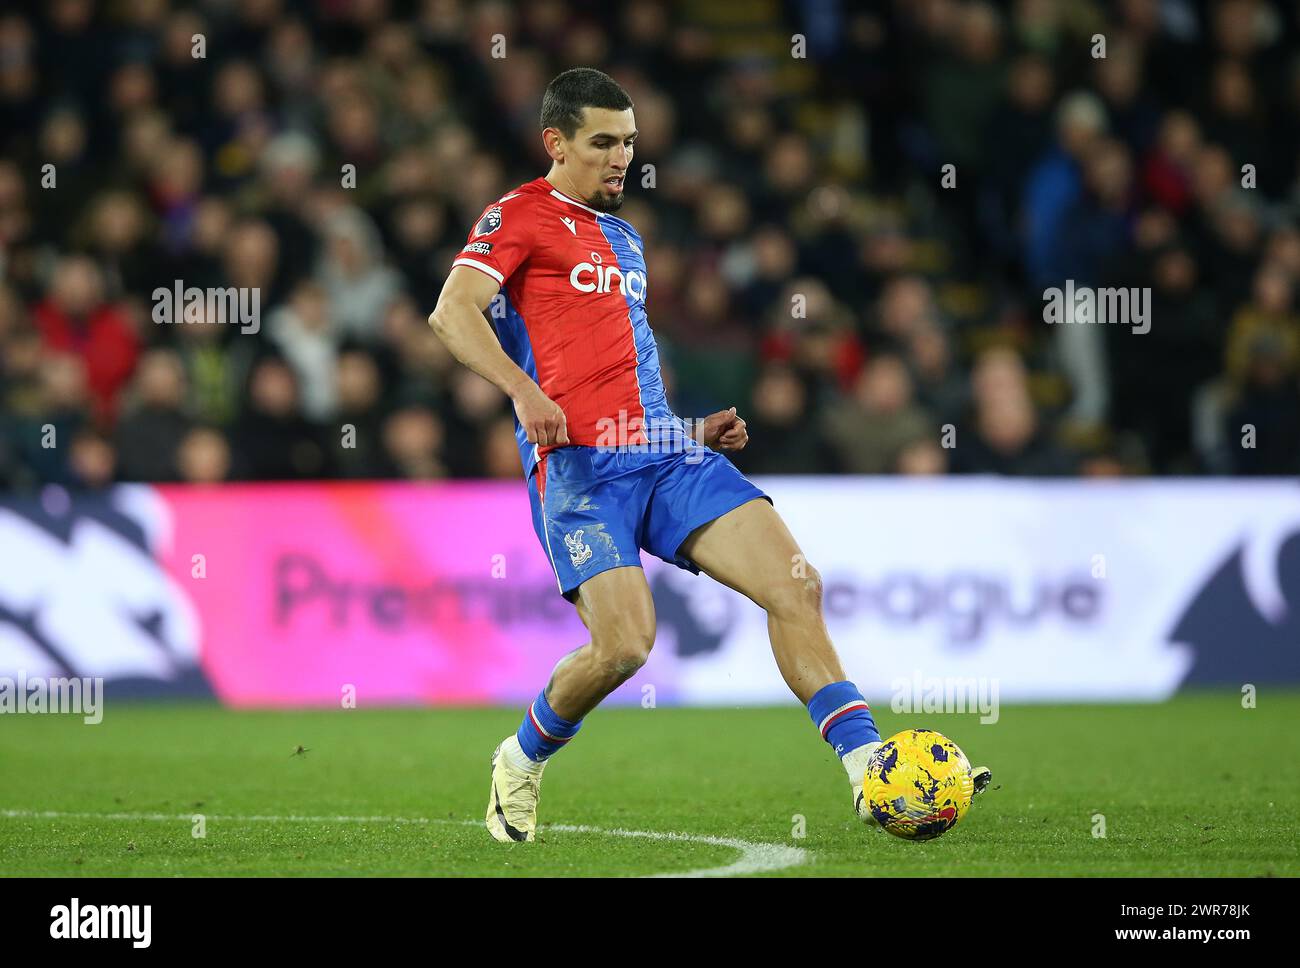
{"points": [[799, 596], [624, 650], [624, 665]]}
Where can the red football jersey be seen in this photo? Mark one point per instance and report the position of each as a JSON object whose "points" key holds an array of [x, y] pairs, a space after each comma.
{"points": [[571, 314]]}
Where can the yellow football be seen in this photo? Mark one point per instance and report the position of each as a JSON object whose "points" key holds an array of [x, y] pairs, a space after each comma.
{"points": [[918, 784]]}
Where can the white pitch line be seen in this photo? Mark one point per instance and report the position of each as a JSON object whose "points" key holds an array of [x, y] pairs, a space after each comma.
{"points": [[755, 858]]}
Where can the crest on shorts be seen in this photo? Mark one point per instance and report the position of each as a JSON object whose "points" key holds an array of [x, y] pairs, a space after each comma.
{"points": [[490, 222], [579, 553]]}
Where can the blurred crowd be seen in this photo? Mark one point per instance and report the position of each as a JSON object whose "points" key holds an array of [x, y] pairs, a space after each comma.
{"points": [[813, 259]]}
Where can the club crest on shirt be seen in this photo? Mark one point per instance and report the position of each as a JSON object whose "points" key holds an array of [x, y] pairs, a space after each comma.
{"points": [[579, 552], [490, 222]]}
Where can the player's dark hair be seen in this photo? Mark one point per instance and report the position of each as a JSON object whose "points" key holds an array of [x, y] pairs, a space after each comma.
{"points": [[576, 89]]}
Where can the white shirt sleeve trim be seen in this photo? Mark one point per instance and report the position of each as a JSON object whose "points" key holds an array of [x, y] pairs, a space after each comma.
{"points": [[481, 267]]}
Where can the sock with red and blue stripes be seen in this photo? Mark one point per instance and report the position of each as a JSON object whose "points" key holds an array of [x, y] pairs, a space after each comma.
{"points": [[843, 717], [542, 733]]}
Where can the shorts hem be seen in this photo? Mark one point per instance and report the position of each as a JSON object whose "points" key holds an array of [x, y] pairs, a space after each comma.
{"points": [[713, 515], [622, 561]]}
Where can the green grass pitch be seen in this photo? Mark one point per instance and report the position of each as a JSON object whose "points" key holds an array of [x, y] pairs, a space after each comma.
{"points": [[1197, 786]]}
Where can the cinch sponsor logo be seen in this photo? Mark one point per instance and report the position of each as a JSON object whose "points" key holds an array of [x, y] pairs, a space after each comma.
{"points": [[102, 921], [587, 277]]}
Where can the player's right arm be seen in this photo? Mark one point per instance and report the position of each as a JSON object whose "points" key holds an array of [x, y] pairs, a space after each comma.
{"points": [[460, 323]]}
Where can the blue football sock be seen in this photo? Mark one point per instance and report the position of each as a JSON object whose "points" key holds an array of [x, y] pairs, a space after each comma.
{"points": [[843, 717], [543, 732]]}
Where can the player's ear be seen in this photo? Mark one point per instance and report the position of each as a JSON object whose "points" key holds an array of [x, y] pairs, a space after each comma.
{"points": [[553, 142]]}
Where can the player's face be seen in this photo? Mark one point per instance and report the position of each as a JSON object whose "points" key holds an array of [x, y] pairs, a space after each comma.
{"points": [[597, 158]]}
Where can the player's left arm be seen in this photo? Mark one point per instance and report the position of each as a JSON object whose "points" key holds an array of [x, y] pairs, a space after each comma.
{"points": [[724, 430]]}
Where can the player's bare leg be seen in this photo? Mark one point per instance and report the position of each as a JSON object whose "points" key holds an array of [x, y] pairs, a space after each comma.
{"points": [[751, 550], [618, 611], [619, 614]]}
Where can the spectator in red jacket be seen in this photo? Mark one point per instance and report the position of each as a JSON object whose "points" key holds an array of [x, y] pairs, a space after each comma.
{"points": [[74, 318]]}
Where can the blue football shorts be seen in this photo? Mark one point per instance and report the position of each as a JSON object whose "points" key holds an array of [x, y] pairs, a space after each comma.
{"points": [[595, 508]]}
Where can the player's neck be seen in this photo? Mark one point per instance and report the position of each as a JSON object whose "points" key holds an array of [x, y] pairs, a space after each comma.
{"points": [[560, 187]]}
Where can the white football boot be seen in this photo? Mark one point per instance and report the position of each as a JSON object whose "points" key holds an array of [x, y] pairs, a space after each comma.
{"points": [[512, 801], [856, 763]]}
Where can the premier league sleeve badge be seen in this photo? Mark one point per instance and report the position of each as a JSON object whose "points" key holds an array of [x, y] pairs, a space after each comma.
{"points": [[490, 222]]}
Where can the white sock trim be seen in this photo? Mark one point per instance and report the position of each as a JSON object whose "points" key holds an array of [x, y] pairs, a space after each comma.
{"points": [[517, 758]]}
